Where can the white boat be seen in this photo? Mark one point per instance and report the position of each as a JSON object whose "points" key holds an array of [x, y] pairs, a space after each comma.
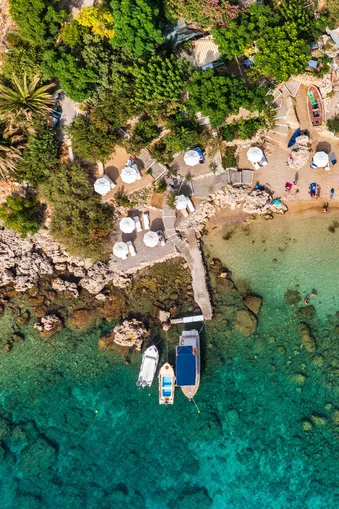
{"points": [[188, 363], [166, 385], [149, 363]]}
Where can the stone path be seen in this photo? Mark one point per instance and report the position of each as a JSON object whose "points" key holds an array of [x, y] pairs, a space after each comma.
{"points": [[190, 249]]}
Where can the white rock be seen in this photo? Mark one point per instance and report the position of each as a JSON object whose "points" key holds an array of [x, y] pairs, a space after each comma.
{"points": [[65, 286], [130, 333]]}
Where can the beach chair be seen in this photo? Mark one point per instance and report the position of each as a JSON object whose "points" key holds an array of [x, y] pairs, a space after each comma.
{"points": [[161, 238], [263, 162], [137, 224], [256, 166], [333, 158], [190, 205], [131, 248], [145, 218], [184, 212]]}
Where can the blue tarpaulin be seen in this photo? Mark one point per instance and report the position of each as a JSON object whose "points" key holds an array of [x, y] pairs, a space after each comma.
{"points": [[294, 137], [185, 366]]}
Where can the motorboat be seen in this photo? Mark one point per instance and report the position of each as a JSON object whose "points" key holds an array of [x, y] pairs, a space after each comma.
{"points": [[188, 363], [149, 363], [166, 385]]}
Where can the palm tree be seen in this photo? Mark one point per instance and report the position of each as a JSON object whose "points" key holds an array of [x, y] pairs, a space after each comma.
{"points": [[23, 99], [11, 145]]}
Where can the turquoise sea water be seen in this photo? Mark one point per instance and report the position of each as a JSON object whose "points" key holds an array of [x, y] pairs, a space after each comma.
{"points": [[77, 433]]}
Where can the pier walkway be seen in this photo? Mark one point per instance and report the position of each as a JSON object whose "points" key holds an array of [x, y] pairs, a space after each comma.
{"points": [[190, 249]]}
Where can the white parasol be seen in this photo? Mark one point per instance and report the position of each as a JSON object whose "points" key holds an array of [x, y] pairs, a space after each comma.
{"points": [[120, 250], [181, 202], [320, 159], [127, 225], [103, 185], [255, 154], [151, 239], [129, 175], [192, 158]]}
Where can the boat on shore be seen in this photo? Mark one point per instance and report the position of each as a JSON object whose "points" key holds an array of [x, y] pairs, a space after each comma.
{"points": [[149, 363], [166, 385], [188, 363], [315, 106]]}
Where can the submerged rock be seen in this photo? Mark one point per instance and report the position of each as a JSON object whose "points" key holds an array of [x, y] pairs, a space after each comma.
{"points": [[292, 297], [82, 319], [318, 420], [307, 340], [307, 426], [244, 322], [253, 302], [38, 457], [306, 313], [298, 378]]}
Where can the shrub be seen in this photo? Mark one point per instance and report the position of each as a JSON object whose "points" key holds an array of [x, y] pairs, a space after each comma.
{"points": [[144, 132], [22, 214], [122, 199], [40, 156], [98, 19], [88, 141], [242, 129], [135, 26], [79, 220], [228, 159], [72, 33], [160, 186], [161, 153], [333, 125]]}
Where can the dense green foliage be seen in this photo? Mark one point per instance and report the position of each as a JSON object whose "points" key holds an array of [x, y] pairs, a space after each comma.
{"points": [[160, 81], [144, 132], [218, 96], [333, 10], [333, 125], [89, 142], [135, 25], [239, 34], [242, 129], [79, 220], [22, 214], [38, 20], [204, 13], [228, 159], [40, 156]]}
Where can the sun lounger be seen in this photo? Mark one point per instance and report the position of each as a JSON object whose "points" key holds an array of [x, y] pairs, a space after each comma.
{"points": [[137, 223], [333, 158], [190, 205], [145, 218], [263, 162], [131, 248], [256, 166], [184, 212], [161, 238]]}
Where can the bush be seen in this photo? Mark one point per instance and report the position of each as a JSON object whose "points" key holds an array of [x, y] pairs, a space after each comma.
{"points": [[144, 132], [88, 141], [160, 186], [161, 153], [79, 220], [333, 125], [40, 156], [228, 159], [242, 129], [23, 215], [122, 199]]}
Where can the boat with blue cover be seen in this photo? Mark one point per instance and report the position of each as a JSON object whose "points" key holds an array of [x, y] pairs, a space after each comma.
{"points": [[188, 363], [166, 385]]}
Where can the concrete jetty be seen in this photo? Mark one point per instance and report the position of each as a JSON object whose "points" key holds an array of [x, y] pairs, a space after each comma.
{"points": [[190, 249]]}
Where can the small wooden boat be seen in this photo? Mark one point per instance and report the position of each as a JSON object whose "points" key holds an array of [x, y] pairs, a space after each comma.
{"points": [[166, 385], [149, 363], [315, 106], [188, 363]]}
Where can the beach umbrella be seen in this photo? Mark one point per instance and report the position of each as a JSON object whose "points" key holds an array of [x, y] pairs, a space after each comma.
{"points": [[129, 175], [151, 239], [255, 154], [127, 225], [120, 250], [192, 158], [320, 159], [181, 202], [103, 185]]}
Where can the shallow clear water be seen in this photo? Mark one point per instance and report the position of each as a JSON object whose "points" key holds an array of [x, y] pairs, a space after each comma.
{"points": [[77, 433]]}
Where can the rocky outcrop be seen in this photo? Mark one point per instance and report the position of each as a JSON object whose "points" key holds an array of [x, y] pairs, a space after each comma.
{"points": [[253, 302], [24, 261], [69, 289], [48, 325], [256, 202], [292, 297], [130, 334]]}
